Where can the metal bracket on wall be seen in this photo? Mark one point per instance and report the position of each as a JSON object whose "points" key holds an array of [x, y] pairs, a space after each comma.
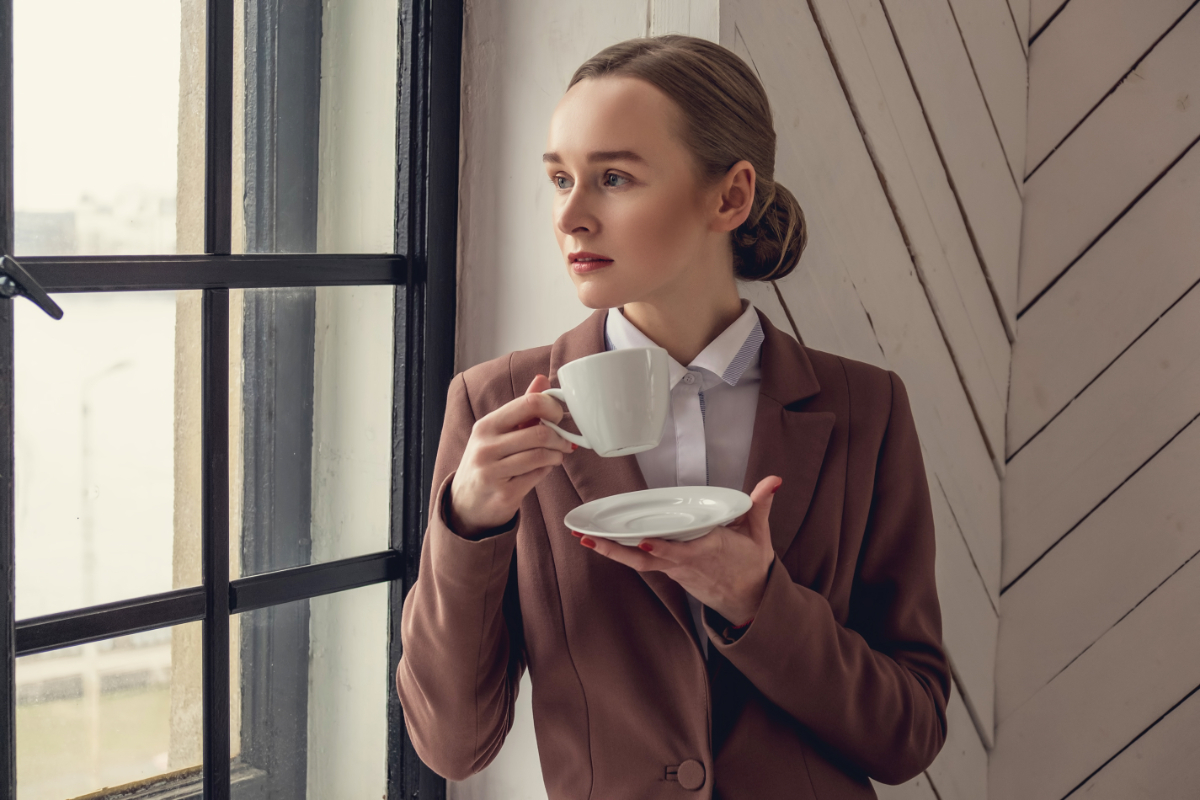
{"points": [[15, 280]]}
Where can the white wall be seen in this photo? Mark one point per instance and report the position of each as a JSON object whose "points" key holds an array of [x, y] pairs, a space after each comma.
{"points": [[897, 132]]}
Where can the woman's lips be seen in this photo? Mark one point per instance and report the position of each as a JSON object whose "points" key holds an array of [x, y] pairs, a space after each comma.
{"points": [[582, 264]]}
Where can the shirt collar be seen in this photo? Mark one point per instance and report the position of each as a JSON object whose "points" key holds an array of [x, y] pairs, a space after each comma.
{"points": [[728, 356]]}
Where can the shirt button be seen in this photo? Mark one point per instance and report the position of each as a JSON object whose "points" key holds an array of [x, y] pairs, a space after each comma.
{"points": [[689, 378]]}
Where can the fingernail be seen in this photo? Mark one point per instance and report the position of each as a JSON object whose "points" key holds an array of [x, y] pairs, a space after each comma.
{"points": [[576, 533], [574, 447], [776, 489], [646, 546], [586, 542]]}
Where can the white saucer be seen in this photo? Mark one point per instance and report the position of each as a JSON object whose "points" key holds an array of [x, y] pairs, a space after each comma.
{"points": [[681, 513]]}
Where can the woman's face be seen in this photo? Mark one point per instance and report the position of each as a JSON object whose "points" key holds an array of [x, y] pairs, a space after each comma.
{"points": [[625, 190]]}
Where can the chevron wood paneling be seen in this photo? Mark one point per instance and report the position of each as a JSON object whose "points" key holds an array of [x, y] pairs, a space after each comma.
{"points": [[962, 125], [1127, 414], [898, 137], [1098, 656], [1112, 157], [1104, 302], [1085, 53]]}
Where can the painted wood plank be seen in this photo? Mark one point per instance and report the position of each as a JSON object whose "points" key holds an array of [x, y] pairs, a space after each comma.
{"points": [[1113, 156], [822, 158], [1147, 396], [1040, 11], [934, 51], [1106, 566], [690, 17], [1113, 691], [916, 789], [1020, 12], [960, 771], [998, 58], [902, 149], [1102, 304], [1161, 764], [1091, 44], [969, 621]]}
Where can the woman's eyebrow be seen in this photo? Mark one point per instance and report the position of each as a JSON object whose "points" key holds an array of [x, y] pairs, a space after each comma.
{"points": [[599, 155]]}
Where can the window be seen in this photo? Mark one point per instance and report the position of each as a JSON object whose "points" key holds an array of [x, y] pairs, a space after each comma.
{"points": [[214, 468]]}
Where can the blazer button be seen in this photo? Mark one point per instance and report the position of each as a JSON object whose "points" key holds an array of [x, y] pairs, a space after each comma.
{"points": [[691, 774]]}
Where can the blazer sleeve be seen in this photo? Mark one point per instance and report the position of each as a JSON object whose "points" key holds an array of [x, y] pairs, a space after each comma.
{"points": [[875, 689], [462, 648]]}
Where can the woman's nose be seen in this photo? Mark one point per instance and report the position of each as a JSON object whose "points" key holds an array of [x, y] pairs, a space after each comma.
{"points": [[575, 214]]}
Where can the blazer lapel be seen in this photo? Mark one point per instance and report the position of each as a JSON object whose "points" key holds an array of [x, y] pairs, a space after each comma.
{"points": [[787, 441]]}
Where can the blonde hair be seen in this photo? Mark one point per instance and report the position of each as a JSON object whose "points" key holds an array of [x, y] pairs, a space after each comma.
{"points": [[727, 119]]}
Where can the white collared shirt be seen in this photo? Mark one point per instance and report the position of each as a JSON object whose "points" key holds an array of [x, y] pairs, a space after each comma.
{"points": [[710, 420]]}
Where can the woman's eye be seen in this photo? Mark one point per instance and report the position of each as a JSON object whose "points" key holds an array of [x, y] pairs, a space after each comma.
{"points": [[614, 175], [558, 181]]}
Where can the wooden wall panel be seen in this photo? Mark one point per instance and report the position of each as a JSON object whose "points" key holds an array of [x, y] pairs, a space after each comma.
{"points": [[823, 160], [1104, 302], [998, 59], [1119, 150], [902, 149], [1131, 410], [1079, 58], [1106, 566], [1161, 764], [1020, 12], [960, 772], [1112, 692], [1040, 11], [950, 95]]}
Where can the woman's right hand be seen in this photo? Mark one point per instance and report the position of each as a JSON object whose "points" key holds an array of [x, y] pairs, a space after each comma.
{"points": [[508, 452]]}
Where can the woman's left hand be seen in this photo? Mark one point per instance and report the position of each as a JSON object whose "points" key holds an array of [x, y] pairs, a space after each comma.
{"points": [[725, 570]]}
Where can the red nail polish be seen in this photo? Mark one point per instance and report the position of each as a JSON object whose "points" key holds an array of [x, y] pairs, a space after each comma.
{"points": [[574, 447], [576, 533], [776, 489], [646, 546], [586, 542]]}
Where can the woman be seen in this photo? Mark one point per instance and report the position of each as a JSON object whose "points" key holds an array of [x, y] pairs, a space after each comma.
{"points": [[793, 653]]}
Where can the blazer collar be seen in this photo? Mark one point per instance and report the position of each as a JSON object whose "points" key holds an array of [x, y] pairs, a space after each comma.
{"points": [[787, 441]]}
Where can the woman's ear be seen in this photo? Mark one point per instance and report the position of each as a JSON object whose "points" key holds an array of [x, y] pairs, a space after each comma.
{"points": [[736, 197]]}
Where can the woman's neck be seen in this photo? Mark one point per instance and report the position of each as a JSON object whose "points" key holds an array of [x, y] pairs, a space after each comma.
{"points": [[684, 329]]}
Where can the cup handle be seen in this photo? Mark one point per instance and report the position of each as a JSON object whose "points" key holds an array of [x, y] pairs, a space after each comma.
{"points": [[574, 438]]}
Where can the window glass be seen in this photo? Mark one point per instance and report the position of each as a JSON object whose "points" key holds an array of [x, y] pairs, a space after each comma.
{"points": [[108, 713], [308, 718], [107, 405], [105, 151]]}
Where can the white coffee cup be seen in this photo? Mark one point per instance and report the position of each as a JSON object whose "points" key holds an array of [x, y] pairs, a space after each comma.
{"points": [[618, 398]]}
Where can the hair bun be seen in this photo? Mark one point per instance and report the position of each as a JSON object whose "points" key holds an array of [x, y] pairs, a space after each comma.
{"points": [[769, 243]]}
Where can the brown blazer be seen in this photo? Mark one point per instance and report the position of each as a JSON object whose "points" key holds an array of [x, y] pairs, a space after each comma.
{"points": [[840, 676]]}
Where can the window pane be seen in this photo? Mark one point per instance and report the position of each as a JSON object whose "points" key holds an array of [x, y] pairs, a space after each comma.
{"points": [[108, 713], [315, 129], [106, 147], [315, 425], [107, 408], [310, 719]]}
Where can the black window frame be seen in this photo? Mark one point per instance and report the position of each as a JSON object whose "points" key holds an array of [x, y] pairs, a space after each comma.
{"points": [[422, 269]]}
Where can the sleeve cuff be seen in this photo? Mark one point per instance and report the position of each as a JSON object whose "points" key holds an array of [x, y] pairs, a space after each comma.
{"points": [[445, 514]]}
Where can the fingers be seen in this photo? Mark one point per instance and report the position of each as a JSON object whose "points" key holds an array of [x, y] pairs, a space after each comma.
{"points": [[533, 437], [757, 518], [518, 464], [523, 411], [629, 556]]}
